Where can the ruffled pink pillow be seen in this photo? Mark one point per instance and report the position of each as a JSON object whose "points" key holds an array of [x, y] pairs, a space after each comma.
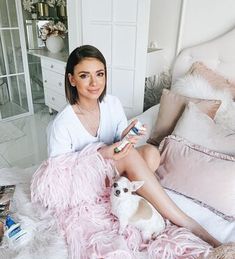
{"points": [[199, 173]]}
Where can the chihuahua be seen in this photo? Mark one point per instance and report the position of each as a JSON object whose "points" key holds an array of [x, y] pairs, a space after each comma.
{"points": [[132, 209]]}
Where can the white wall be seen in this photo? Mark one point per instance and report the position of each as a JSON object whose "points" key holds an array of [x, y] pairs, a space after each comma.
{"points": [[202, 20], [164, 19]]}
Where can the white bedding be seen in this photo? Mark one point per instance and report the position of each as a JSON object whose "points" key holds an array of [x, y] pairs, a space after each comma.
{"points": [[46, 242], [43, 239], [218, 54], [217, 226]]}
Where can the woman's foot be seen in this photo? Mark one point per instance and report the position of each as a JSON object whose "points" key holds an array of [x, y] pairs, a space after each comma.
{"points": [[204, 235]]}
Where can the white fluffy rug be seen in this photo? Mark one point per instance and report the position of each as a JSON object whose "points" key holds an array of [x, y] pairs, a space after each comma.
{"points": [[9, 131], [43, 239]]}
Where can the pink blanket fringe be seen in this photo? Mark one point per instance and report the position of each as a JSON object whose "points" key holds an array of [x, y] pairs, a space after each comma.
{"points": [[72, 186]]}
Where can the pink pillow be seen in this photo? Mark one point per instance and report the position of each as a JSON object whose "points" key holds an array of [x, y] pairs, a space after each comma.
{"points": [[171, 108], [199, 173], [215, 137], [215, 79]]}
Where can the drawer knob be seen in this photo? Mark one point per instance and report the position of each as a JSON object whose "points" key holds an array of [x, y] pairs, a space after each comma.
{"points": [[52, 66], [60, 84], [45, 81], [53, 98]]}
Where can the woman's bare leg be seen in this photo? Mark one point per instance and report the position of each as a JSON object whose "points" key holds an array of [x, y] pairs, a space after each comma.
{"points": [[151, 156], [134, 166]]}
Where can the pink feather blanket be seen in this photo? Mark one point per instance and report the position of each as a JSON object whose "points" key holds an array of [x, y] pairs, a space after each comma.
{"points": [[72, 187]]}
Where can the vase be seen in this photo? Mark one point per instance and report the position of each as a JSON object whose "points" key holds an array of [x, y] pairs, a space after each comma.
{"points": [[54, 43]]}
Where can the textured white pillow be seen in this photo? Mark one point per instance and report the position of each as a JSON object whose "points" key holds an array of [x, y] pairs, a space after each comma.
{"points": [[196, 86], [198, 128]]}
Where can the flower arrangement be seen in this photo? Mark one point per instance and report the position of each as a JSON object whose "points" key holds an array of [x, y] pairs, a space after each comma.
{"points": [[51, 28], [30, 5]]}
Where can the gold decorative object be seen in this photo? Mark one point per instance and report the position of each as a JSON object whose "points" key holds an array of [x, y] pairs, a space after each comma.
{"points": [[61, 11], [43, 9]]}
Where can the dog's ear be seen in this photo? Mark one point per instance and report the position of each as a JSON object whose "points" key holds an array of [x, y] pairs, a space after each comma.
{"points": [[135, 185]]}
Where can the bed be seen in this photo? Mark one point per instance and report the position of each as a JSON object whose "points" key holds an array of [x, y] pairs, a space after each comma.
{"points": [[214, 60], [46, 241]]}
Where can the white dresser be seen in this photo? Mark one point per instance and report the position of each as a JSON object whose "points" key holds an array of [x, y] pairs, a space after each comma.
{"points": [[53, 71], [53, 81], [121, 33]]}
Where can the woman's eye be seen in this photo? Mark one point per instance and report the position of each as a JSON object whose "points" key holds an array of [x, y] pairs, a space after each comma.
{"points": [[100, 74], [125, 190], [83, 76]]}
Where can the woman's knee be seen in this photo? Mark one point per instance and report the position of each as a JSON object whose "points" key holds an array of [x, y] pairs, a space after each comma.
{"points": [[126, 162], [151, 155], [153, 151]]}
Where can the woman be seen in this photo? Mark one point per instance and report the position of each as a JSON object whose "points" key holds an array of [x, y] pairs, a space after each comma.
{"points": [[92, 116]]}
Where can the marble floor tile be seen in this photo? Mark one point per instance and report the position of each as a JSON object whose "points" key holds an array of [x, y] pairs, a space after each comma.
{"points": [[3, 163], [9, 131], [11, 109], [31, 148]]}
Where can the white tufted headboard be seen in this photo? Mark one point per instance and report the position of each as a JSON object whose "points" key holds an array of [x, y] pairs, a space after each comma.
{"points": [[218, 54]]}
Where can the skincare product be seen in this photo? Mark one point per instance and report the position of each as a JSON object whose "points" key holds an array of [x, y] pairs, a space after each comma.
{"points": [[133, 131], [14, 232]]}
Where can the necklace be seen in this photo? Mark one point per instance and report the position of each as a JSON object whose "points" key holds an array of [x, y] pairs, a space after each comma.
{"points": [[87, 110], [90, 119]]}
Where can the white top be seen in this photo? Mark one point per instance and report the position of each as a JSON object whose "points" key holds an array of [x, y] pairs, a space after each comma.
{"points": [[67, 134]]}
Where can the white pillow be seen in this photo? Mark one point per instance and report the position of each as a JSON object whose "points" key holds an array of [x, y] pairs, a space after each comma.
{"points": [[197, 87], [148, 118], [198, 128]]}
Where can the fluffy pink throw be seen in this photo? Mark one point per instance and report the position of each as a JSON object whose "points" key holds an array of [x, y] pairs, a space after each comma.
{"points": [[72, 187]]}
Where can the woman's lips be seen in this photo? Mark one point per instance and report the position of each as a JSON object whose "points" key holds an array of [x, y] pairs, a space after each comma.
{"points": [[94, 91]]}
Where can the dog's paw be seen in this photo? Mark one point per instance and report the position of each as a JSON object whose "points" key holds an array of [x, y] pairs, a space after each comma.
{"points": [[147, 236]]}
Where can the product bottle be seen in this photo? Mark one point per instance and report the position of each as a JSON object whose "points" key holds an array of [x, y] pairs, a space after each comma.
{"points": [[133, 131], [14, 232]]}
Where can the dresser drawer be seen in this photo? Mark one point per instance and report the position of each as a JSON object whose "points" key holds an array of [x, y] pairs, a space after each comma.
{"points": [[54, 100], [53, 65], [53, 81]]}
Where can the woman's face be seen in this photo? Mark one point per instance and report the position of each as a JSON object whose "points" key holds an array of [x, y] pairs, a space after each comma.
{"points": [[88, 78]]}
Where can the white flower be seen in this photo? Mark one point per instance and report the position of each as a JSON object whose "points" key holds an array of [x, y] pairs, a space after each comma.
{"points": [[28, 5], [60, 27], [50, 28]]}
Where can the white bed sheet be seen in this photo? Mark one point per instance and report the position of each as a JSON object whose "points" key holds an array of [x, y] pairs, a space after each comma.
{"points": [[217, 226]]}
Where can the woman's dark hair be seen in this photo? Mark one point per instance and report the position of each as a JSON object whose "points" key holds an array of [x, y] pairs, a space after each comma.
{"points": [[75, 57]]}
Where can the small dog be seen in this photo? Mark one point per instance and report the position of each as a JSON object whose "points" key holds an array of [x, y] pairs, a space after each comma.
{"points": [[132, 209]]}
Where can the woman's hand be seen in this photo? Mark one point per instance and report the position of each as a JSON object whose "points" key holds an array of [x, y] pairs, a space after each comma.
{"points": [[134, 139], [107, 152]]}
